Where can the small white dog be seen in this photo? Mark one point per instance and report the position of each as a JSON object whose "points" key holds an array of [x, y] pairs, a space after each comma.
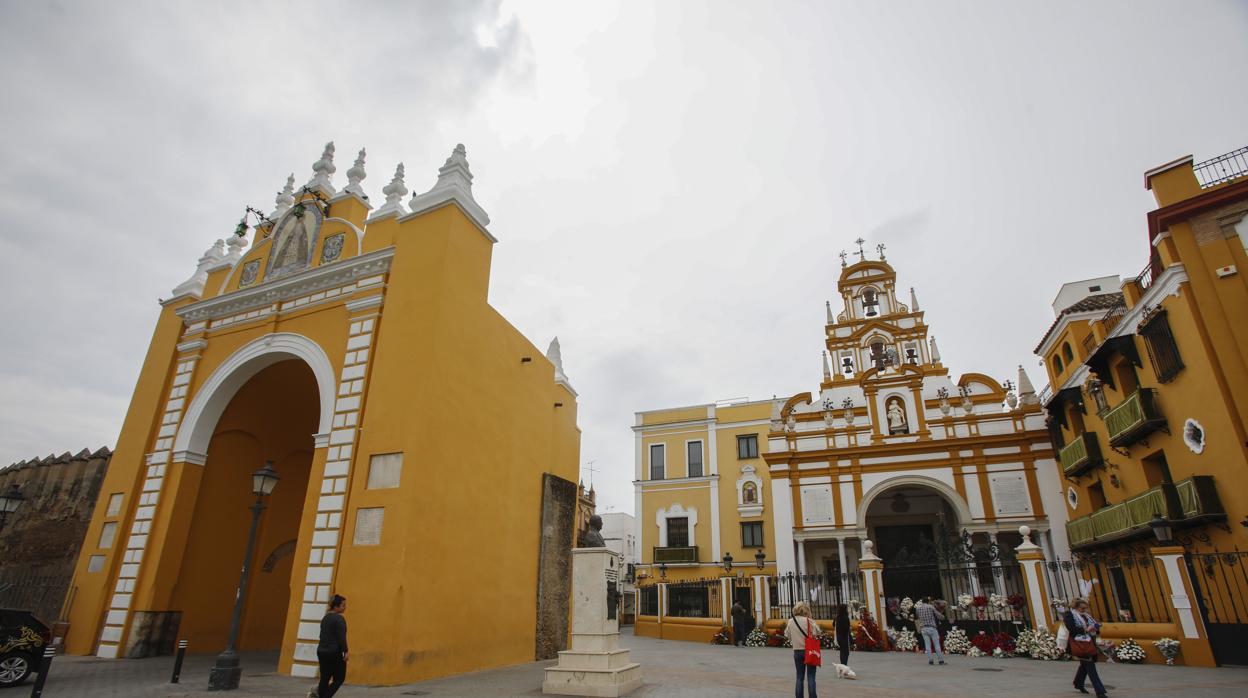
{"points": [[844, 672]]}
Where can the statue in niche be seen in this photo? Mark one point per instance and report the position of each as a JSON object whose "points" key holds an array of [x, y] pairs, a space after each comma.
{"points": [[896, 417], [293, 243], [593, 537]]}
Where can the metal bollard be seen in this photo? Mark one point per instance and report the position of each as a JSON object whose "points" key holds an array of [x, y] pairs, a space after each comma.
{"points": [[48, 653], [177, 663]]}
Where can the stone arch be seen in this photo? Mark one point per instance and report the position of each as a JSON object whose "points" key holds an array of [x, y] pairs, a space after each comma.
{"points": [[948, 493], [205, 408]]}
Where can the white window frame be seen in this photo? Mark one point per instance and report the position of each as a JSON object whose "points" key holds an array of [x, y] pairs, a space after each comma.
{"points": [[650, 461], [702, 448], [677, 512]]}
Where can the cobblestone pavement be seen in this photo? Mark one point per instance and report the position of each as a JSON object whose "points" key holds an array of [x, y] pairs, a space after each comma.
{"points": [[671, 669]]}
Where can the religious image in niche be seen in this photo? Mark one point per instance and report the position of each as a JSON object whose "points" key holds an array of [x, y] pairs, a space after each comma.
{"points": [[293, 243], [896, 413]]}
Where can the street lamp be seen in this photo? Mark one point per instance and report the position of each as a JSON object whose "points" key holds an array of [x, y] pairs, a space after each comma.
{"points": [[727, 563], [1161, 529], [225, 673], [662, 570], [10, 500], [760, 558]]}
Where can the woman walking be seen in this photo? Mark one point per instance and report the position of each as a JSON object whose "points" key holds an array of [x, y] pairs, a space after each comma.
{"points": [[1083, 627], [332, 650], [800, 627], [842, 632]]}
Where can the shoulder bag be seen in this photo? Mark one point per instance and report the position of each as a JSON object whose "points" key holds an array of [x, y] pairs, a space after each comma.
{"points": [[814, 653]]}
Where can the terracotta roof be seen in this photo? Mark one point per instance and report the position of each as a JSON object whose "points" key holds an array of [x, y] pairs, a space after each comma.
{"points": [[1101, 301]]}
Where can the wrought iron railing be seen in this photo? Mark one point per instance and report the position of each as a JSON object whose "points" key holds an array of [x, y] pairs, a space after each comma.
{"points": [[821, 592], [699, 598], [1134, 418], [1114, 315], [1122, 586], [648, 600], [670, 554], [1223, 168]]}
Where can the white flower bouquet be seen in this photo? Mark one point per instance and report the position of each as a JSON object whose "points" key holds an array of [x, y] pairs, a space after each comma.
{"points": [[1169, 649], [1129, 651], [904, 640], [956, 641]]}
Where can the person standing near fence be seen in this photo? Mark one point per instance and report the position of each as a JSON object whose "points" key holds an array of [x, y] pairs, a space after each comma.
{"points": [[799, 627], [1083, 628], [842, 632], [927, 620], [332, 651], [740, 619]]}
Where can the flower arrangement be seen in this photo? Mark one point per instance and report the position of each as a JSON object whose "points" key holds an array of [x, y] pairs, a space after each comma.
{"points": [[956, 641], [723, 637], [756, 638], [983, 642], [980, 601], [1108, 648], [1016, 601], [905, 641], [965, 601], [974, 652], [1005, 643], [778, 640], [906, 606], [1169, 649], [1025, 643], [867, 636], [999, 653], [996, 601], [1130, 652], [827, 641], [1044, 645]]}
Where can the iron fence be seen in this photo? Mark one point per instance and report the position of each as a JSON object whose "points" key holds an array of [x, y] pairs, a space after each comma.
{"points": [[699, 598], [648, 600], [986, 594], [1221, 580], [1121, 586], [821, 592], [42, 595], [1223, 168]]}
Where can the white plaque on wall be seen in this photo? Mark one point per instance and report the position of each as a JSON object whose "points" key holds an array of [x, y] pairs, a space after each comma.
{"points": [[817, 505], [1010, 494]]}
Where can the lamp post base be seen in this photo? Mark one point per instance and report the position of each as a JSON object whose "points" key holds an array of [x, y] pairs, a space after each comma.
{"points": [[225, 673]]}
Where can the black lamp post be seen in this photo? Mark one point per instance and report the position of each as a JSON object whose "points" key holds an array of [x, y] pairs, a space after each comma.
{"points": [[760, 558], [10, 500], [225, 673], [1161, 529], [727, 563]]}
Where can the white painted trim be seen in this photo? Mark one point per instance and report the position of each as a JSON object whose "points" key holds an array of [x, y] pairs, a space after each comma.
{"points": [[702, 446], [949, 493], [321, 440], [192, 457], [676, 511], [358, 304], [673, 425], [1178, 598], [192, 345], [214, 395], [782, 516], [286, 288], [715, 542], [650, 462]]}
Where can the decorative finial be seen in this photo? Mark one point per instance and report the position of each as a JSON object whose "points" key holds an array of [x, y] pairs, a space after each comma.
{"points": [[195, 285], [880, 248], [842, 255], [454, 183], [914, 301], [827, 306], [931, 343], [285, 198], [355, 175], [555, 355], [394, 191], [323, 170], [827, 372], [1026, 392], [862, 256]]}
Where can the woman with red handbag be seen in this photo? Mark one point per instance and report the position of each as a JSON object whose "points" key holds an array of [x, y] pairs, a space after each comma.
{"points": [[803, 634], [1083, 630]]}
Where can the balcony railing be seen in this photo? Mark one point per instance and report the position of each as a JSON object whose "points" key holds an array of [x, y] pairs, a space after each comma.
{"points": [[1223, 168], [1135, 418], [675, 554], [1080, 455], [1198, 498]]}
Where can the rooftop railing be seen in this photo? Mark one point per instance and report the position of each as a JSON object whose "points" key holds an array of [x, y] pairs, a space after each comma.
{"points": [[1223, 168]]}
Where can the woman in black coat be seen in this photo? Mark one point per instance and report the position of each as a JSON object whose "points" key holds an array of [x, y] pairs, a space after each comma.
{"points": [[842, 632], [1080, 622]]}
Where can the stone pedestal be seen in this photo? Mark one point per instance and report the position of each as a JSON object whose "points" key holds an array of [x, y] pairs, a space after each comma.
{"points": [[596, 665]]}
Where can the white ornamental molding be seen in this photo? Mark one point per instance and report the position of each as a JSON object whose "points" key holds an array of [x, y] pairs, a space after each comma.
{"points": [[1194, 436]]}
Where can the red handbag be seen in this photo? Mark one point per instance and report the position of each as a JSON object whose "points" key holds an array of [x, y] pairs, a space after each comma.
{"points": [[814, 653], [1083, 648]]}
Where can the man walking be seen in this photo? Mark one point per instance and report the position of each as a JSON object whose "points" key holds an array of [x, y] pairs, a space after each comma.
{"points": [[925, 618], [332, 650]]}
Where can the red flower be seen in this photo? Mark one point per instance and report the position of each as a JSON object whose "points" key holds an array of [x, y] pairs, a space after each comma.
{"points": [[1016, 600], [980, 601]]}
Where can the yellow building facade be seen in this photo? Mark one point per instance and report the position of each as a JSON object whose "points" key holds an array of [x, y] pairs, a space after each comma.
{"points": [[890, 448], [410, 423], [1147, 409]]}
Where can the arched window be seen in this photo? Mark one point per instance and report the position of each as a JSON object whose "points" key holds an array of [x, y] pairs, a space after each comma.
{"points": [[1067, 353], [870, 302], [1057, 365], [749, 493]]}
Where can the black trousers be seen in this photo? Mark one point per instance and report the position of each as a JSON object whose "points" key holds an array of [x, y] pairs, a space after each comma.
{"points": [[845, 653], [333, 667]]}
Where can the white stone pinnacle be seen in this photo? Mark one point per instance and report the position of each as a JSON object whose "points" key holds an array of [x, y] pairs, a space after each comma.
{"points": [[555, 355], [1026, 392], [827, 372], [194, 286], [394, 191], [454, 184], [931, 343], [914, 301], [827, 305], [355, 175], [323, 171], [285, 198]]}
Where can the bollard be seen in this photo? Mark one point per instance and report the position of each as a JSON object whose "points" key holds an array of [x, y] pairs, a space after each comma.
{"points": [[48, 653], [177, 662]]}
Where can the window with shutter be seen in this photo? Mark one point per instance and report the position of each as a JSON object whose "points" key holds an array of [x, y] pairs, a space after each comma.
{"points": [[1162, 349]]}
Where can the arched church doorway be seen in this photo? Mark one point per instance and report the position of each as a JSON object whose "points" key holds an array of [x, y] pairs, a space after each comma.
{"points": [[273, 415], [907, 523]]}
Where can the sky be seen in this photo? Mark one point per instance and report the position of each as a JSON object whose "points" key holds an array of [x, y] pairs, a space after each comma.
{"points": [[670, 182]]}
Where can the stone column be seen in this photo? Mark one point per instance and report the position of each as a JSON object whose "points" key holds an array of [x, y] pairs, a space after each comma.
{"points": [[872, 569], [762, 600], [596, 665], [1195, 650], [801, 557], [1030, 560], [840, 548], [725, 600]]}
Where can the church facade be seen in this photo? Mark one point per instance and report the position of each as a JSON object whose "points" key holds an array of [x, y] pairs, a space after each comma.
{"points": [[411, 425], [891, 448]]}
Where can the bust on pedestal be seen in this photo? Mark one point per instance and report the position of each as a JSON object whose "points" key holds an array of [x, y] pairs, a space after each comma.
{"points": [[596, 665]]}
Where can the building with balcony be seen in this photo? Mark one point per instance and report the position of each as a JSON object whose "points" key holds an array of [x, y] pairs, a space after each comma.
{"points": [[891, 447], [1145, 372]]}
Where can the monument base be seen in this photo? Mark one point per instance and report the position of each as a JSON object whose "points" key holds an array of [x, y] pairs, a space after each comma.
{"points": [[596, 665]]}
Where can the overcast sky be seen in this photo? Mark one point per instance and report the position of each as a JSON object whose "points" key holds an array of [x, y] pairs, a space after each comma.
{"points": [[670, 184]]}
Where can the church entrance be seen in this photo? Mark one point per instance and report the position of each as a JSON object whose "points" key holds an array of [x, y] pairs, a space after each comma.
{"points": [[272, 416]]}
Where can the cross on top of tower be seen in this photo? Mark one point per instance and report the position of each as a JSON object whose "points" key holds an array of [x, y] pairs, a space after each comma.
{"points": [[880, 248], [842, 256], [862, 256]]}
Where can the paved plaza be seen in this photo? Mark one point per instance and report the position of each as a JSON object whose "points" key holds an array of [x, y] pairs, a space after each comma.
{"points": [[671, 669]]}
